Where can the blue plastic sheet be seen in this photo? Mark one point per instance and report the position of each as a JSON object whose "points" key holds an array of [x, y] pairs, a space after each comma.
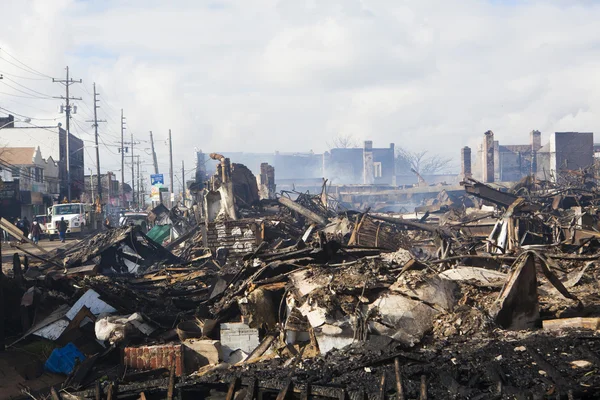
{"points": [[63, 360]]}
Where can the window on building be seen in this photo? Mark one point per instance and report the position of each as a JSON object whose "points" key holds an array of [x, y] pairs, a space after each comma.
{"points": [[16, 172], [377, 169], [39, 175]]}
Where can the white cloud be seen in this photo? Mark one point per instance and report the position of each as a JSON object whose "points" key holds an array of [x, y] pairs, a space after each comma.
{"points": [[267, 75]]}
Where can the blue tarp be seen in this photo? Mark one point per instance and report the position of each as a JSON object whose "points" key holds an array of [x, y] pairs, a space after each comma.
{"points": [[63, 360]]}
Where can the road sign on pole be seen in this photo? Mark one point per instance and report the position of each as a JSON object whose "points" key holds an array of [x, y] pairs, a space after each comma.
{"points": [[156, 179]]}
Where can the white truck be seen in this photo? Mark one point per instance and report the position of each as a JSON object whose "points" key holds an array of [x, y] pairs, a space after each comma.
{"points": [[78, 216]]}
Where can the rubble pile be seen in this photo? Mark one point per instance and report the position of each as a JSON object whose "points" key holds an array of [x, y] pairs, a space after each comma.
{"points": [[493, 295]]}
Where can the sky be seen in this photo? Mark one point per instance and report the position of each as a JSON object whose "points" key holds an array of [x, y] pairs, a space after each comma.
{"points": [[290, 75]]}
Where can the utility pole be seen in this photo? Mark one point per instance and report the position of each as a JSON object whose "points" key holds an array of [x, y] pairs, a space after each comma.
{"points": [[95, 125], [138, 183], [132, 172], [171, 162], [182, 182], [92, 183], [67, 82], [122, 161], [154, 154]]}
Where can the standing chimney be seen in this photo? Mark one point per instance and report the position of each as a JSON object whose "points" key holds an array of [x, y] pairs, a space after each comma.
{"points": [[465, 162], [488, 157]]}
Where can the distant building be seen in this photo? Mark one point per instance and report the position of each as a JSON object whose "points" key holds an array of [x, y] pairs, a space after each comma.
{"points": [[288, 166], [52, 142], [366, 165], [341, 166], [509, 163], [110, 189], [28, 168]]}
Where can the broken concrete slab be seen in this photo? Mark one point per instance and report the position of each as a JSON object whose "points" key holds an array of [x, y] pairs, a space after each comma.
{"points": [[201, 352], [431, 290], [402, 314], [476, 276]]}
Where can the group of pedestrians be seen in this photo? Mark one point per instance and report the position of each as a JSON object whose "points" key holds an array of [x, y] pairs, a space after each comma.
{"points": [[33, 230]]}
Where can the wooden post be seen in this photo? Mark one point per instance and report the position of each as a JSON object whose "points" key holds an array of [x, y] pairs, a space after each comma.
{"points": [[399, 389], [423, 388], [382, 387], [171, 379], [109, 393], [284, 391], [232, 387]]}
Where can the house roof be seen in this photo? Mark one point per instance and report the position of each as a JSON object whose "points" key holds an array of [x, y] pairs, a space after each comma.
{"points": [[17, 155]]}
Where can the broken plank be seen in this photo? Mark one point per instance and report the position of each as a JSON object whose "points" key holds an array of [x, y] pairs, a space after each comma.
{"points": [[283, 392], [232, 387]]}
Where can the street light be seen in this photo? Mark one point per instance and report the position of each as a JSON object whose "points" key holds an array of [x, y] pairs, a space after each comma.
{"points": [[26, 120]]}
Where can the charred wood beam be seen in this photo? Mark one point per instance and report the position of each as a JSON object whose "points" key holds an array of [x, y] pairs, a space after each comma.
{"points": [[312, 216], [412, 224], [485, 192]]}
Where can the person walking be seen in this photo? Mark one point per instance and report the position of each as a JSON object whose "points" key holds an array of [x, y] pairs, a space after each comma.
{"points": [[19, 224], [36, 232], [26, 226], [62, 229]]}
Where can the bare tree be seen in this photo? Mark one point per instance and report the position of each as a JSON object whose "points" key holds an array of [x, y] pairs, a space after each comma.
{"points": [[420, 161], [342, 141]]}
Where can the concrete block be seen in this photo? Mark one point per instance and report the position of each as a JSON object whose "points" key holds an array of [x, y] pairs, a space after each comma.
{"points": [[237, 336], [199, 353]]}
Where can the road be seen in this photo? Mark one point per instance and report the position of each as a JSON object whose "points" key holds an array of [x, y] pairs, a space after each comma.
{"points": [[7, 251]]}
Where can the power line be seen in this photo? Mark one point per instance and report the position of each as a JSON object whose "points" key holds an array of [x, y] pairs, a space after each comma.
{"points": [[23, 97], [25, 65], [21, 91], [22, 77], [28, 88], [25, 116]]}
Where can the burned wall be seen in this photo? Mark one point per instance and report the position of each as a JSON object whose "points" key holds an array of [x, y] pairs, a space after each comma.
{"points": [[238, 237]]}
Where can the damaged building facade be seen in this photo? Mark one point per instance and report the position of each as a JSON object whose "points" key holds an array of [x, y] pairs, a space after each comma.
{"points": [[564, 151], [361, 165]]}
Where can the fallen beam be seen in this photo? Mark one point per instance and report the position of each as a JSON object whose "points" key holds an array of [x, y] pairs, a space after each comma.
{"points": [[312, 216]]}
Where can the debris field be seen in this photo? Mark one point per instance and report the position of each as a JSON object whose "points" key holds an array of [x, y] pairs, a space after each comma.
{"points": [[490, 295]]}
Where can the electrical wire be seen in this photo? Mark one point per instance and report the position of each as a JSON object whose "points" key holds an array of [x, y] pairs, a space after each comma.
{"points": [[23, 86], [21, 91], [25, 116], [25, 65], [23, 97], [22, 77]]}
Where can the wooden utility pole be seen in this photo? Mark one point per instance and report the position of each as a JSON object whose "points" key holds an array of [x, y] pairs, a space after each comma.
{"points": [[122, 161], [132, 173], [67, 82], [154, 160], [171, 162], [138, 184], [182, 182], [95, 125]]}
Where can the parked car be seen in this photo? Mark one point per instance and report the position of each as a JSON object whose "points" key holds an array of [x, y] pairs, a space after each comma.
{"points": [[135, 218]]}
